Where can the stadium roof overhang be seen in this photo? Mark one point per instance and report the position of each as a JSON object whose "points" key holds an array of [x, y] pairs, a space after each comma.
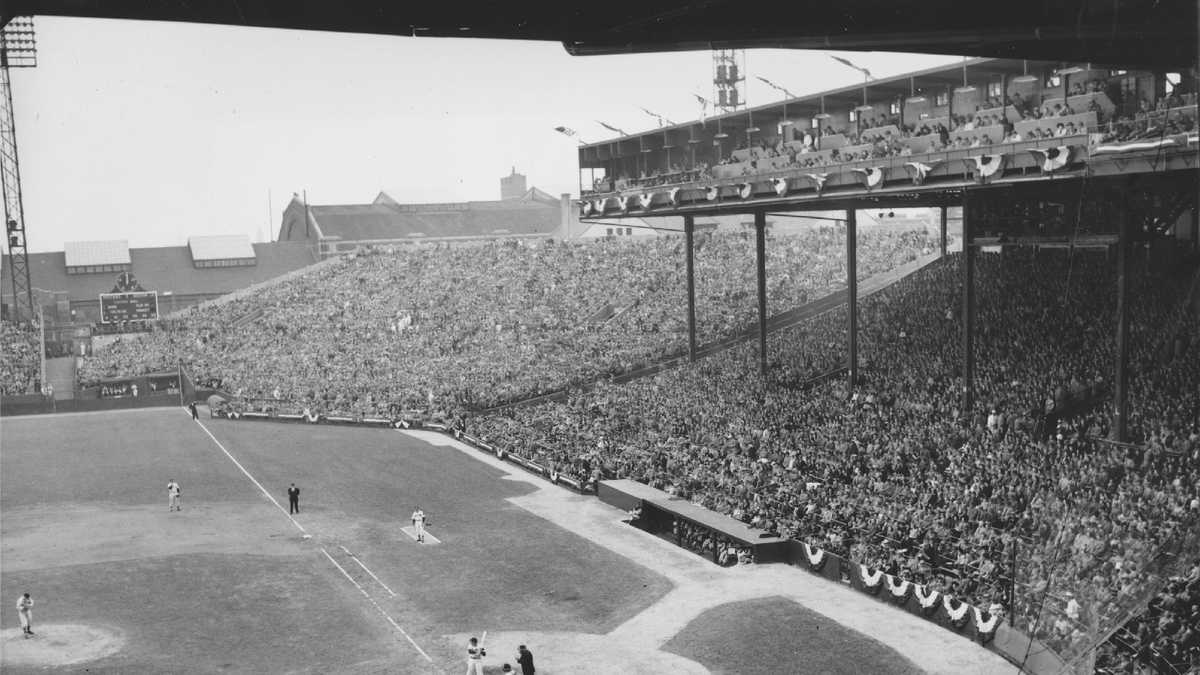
{"points": [[1133, 32]]}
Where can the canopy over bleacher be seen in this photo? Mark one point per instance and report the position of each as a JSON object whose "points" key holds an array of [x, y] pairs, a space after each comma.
{"points": [[227, 248], [96, 254]]}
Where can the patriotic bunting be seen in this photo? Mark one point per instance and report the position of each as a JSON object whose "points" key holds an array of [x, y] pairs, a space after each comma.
{"points": [[598, 206], [780, 185], [918, 171], [623, 203], [644, 200], [987, 166], [711, 193], [674, 196], [585, 208], [745, 190], [1052, 159], [873, 177], [818, 180]]}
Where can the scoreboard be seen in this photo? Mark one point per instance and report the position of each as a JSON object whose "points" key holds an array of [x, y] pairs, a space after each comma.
{"points": [[137, 306]]}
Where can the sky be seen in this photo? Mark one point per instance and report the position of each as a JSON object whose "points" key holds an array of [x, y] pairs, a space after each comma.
{"points": [[154, 132]]}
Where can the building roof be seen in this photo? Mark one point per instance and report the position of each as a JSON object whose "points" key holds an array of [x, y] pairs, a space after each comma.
{"points": [[387, 220], [170, 268], [221, 247], [91, 253]]}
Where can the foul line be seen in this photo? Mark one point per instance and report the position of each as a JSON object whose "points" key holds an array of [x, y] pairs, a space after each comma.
{"points": [[252, 478], [375, 604], [368, 571]]}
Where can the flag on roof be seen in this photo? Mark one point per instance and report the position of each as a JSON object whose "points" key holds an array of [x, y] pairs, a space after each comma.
{"points": [[864, 71], [611, 128]]}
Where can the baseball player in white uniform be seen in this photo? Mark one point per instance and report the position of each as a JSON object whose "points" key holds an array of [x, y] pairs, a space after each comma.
{"points": [[475, 655], [173, 496], [25, 613], [418, 521]]}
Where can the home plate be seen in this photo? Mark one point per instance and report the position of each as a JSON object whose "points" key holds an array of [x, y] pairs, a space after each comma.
{"points": [[411, 531]]}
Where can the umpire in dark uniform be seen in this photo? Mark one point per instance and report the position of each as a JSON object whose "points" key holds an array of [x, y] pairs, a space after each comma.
{"points": [[293, 499], [525, 660]]}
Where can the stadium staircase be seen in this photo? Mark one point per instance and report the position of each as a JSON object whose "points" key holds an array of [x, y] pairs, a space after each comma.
{"points": [[60, 373], [778, 322], [247, 318]]}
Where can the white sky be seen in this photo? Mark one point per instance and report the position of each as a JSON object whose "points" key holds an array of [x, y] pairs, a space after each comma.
{"points": [[152, 132]]}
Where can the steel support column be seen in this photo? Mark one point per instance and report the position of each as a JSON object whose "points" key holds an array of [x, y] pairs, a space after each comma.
{"points": [[1196, 228], [1119, 429], [760, 263], [944, 216], [689, 231], [968, 311], [852, 297]]}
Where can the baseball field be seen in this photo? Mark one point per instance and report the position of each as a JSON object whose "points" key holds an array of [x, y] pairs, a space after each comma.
{"points": [[233, 583]]}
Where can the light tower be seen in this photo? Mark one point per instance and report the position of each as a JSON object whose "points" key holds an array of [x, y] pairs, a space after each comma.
{"points": [[729, 76], [17, 50]]}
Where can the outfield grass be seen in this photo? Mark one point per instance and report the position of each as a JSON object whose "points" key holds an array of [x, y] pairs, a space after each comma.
{"points": [[775, 635]]}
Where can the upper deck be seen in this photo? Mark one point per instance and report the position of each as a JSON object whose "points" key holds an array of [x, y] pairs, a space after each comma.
{"points": [[985, 120]]}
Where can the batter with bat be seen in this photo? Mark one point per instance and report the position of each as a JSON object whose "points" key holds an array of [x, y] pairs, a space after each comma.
{"points": [[475, 654]]}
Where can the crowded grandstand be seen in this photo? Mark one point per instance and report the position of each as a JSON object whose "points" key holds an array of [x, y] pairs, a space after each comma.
{"points": [[569, 353]]}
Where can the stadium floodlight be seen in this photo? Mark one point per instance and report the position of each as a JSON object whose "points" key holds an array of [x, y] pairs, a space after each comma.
{"points": [[965, 88], [822, 115], [913, 96], [1026, 77], [18, 45]]}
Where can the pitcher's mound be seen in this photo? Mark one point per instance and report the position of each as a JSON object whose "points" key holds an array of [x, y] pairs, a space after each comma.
{"points": [[58, 644]]}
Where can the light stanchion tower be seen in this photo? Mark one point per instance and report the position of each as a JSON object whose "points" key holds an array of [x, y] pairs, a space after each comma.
{"points": [[18, 49], [729, 77]]}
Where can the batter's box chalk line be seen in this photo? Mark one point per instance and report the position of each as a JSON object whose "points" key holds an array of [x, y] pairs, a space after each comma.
{"points": [[411, 531]]}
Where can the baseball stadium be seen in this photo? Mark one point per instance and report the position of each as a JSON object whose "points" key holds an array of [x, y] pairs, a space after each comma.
{"points": [[895, 376]]}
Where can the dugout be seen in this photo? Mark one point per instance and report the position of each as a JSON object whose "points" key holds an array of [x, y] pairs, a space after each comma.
{"points": [[665, 515]]}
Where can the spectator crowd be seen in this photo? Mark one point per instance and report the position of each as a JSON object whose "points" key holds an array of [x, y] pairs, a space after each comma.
{"points": [[899, 476], [994, 121], [21, 365], [478, 325], [1018, 504]]}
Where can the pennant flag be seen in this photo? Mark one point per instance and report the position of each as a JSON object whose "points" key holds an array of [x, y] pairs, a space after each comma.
{"points": [[623, 203], [661, 120], [987, 166], [611, 128], [703, 107], [780, 185], [711, 193], [644, 199], [745, 190], [919, 171], [674, 196], [776, 87], [818, 180], [872, 176], [1052, 159], [842, 61], [566, 131]]}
